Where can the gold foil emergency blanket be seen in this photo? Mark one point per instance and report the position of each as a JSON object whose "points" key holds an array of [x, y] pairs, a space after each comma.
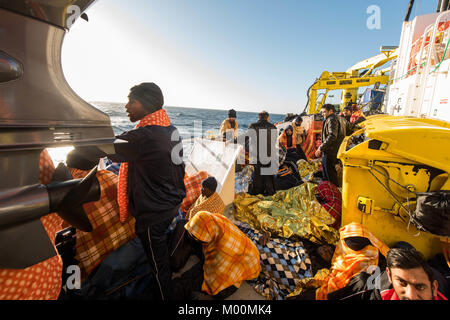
{"points": [[293, 213], [307, 168], [306, 283]]}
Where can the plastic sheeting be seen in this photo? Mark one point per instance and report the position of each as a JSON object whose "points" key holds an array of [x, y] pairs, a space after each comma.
{"points": [[215, 157], [293, 213]]}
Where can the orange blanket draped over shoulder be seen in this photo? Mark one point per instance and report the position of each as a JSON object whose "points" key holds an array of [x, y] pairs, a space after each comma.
{"points": [[347, 263], [158, 118]]}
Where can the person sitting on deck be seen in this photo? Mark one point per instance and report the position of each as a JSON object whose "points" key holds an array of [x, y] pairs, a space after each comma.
{"points": [[230, 257], [289, 142], [209, 200]]}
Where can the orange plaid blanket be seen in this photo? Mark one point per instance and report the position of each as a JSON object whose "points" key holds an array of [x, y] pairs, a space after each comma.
{"points": [[347, 263], [193, 186], [212, 204], [108, 232], [43, 280], [230, 256]]}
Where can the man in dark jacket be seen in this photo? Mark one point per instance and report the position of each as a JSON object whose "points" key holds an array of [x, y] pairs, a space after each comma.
{"points": [[263, 139], [151, 186], [334, 130]]}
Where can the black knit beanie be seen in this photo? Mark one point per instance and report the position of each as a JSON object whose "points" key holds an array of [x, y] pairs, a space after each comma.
{"points": [[232, 113], [149, 94], [210, 183]]}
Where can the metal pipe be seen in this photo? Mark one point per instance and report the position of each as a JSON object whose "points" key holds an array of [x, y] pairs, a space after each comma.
{"points": [[444, 5], [408, 13], [438, 8]]}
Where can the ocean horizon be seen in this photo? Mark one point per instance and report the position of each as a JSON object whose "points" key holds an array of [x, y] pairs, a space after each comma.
{"points": [[190, 122]]}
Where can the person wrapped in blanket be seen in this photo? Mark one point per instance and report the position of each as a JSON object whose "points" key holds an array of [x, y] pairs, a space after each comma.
{"points": [[288, 140], [287, 176], [209, 200], [229, 258]]}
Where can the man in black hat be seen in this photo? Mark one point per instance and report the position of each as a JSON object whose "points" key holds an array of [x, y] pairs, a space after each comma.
{"points": [[229, 127], [151, 179]]}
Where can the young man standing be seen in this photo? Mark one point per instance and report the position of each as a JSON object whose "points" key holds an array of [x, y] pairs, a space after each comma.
{"points": [[334, 130], [331, 140], [264, 142], [151, 186]]}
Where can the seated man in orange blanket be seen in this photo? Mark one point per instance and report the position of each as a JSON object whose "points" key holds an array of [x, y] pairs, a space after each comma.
{"points": [[209, 200], [230, 257]]}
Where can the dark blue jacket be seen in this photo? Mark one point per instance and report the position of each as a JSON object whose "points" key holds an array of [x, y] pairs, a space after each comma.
{"points": [[155, 173]]}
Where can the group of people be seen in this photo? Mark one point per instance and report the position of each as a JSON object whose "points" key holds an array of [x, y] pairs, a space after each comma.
{"points": [[150, 188]]}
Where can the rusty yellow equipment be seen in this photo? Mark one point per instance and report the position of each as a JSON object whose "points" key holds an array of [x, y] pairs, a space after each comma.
{"points": [[399, 157]]}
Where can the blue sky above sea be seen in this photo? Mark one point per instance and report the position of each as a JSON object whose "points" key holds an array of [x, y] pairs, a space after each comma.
{"points": [[250, 55]]}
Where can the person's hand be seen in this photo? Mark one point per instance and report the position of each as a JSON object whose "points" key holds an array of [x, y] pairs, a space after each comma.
{"points": [[318, 153]]}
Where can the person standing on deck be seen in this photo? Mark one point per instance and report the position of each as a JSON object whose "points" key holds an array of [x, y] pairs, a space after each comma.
{"points": [[151, 186], [333, 133], [229, 127], [300, 136], [264, 142]]}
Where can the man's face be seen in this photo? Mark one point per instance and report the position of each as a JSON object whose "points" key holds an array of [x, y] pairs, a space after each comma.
{"points": [[135, 110], [289, 132], [325, 113], [347, 113], [412, 284], [298, 123]]}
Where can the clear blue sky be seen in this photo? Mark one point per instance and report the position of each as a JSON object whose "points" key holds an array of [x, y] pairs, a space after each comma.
{"points": [[246, 54]]}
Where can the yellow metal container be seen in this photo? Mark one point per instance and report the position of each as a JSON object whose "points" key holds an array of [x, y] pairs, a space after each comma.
{"points": [[399, 156]]}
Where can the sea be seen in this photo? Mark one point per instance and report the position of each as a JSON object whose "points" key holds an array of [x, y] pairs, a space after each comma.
{"points": [[190, 122]]}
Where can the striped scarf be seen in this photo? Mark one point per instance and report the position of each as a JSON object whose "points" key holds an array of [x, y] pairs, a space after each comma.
{"points": [[158, 118]]}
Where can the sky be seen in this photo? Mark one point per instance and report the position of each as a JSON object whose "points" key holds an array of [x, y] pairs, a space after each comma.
{"points": [[250, 55]]}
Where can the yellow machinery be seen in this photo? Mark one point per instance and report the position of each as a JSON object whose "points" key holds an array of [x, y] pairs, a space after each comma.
{"points": [[360, 75], [400, 156]]}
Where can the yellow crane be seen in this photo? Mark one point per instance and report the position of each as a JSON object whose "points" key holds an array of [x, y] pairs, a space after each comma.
{"points": [[362, 74]]}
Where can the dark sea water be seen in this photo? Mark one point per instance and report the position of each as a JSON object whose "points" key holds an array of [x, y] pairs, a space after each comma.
{"points": [[190, 122]]}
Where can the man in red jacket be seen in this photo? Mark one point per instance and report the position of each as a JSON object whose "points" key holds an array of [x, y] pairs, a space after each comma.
{"points": [[411, 277]]}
